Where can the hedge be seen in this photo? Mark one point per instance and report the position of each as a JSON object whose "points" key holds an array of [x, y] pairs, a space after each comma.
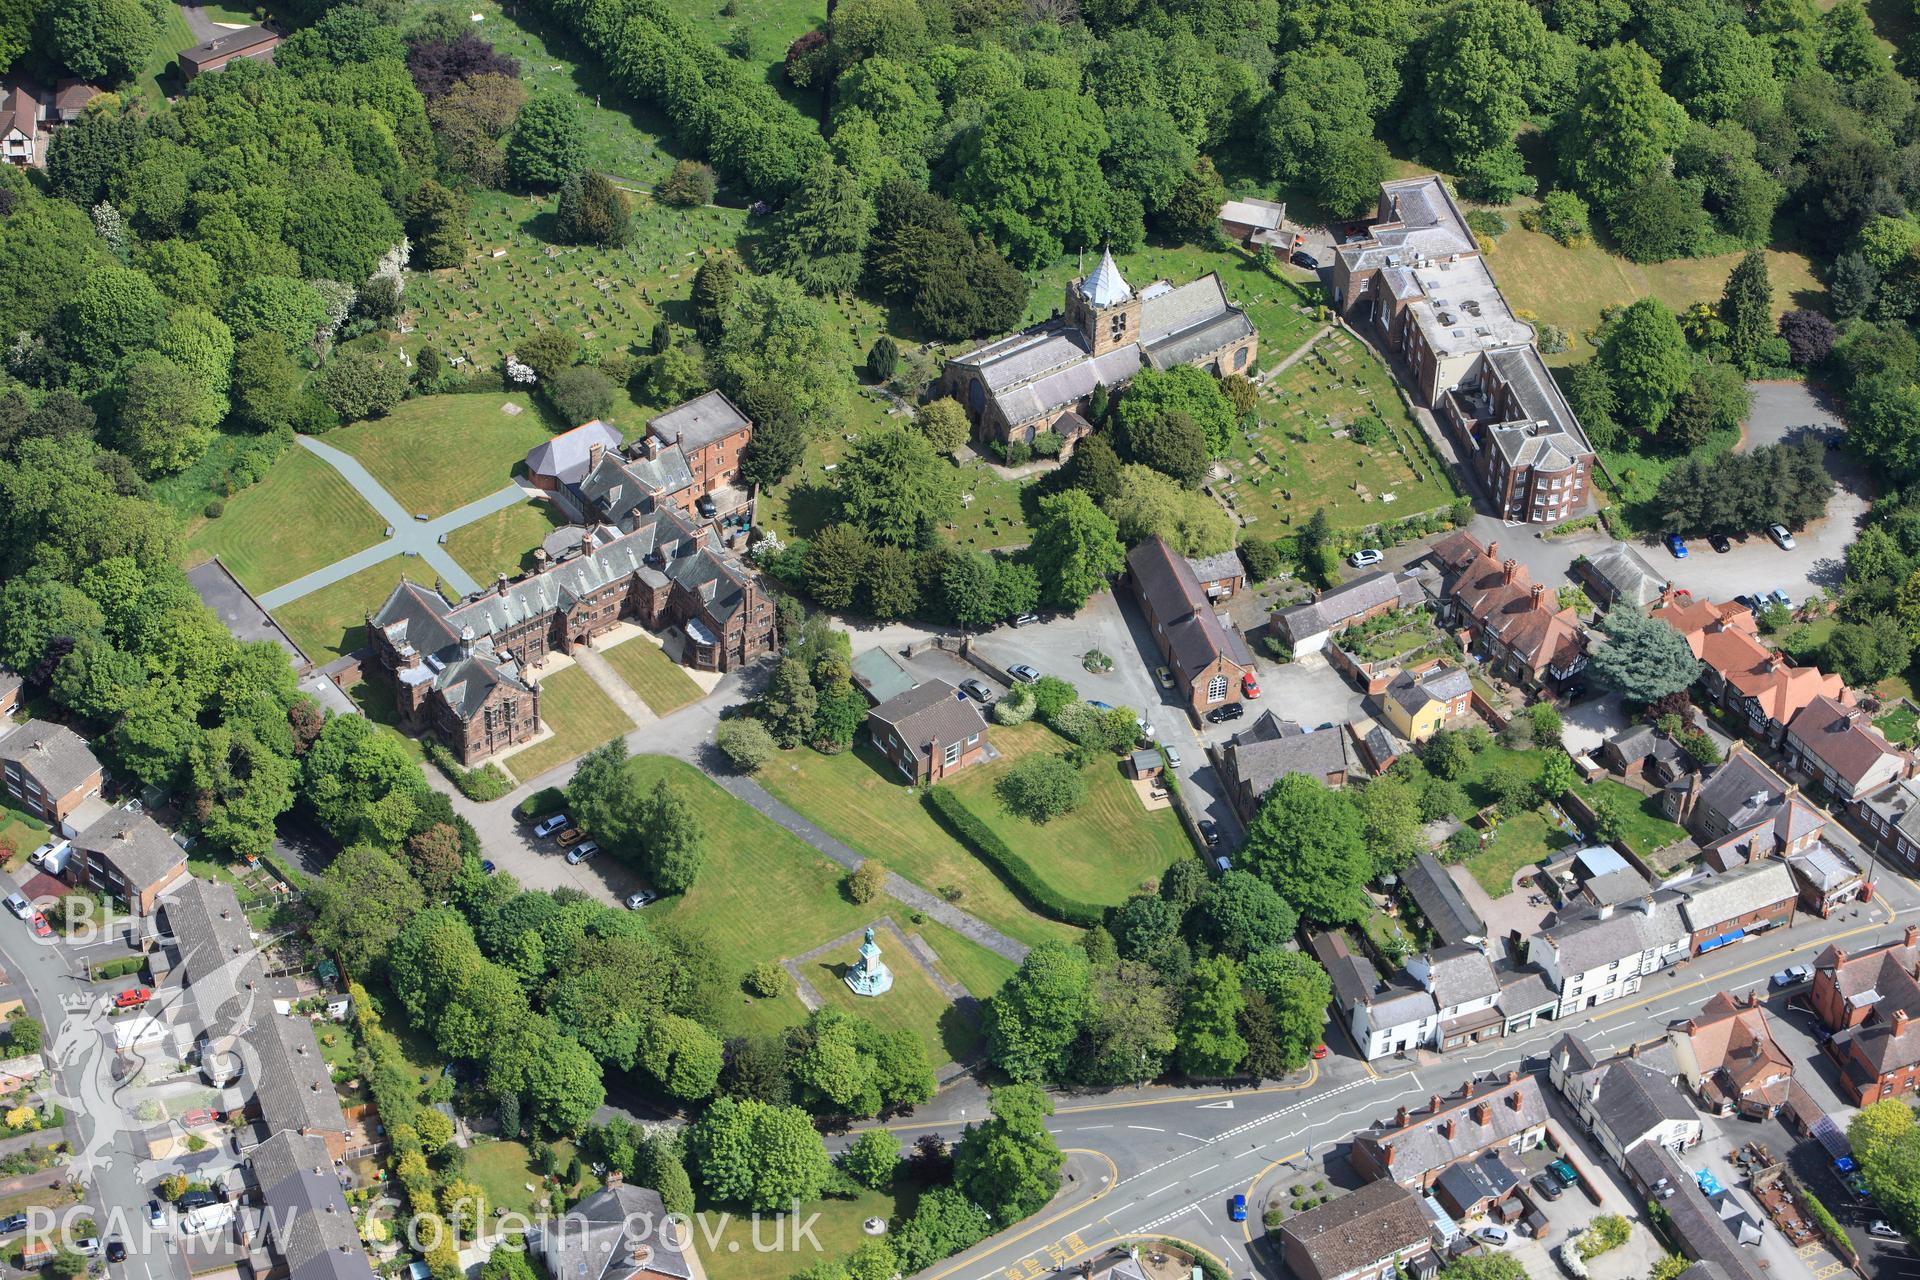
{"points": [[119, 968], [966, 826], [482, 784], [541, 803]]}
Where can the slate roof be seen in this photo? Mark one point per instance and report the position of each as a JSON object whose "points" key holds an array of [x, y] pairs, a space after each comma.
{"points": [[1548, 438], [931, 712], [1217, 567], [1738, 791], [1695, 1222], [1823, 867], [567, 457], [136, 845], [1585, 940], [1511, 1107], [616, 1233], [1194, 636], [1336, 607], [1360, 1227], [1630, 580], [226, 984], [1418, 219], [1260, 756], [51, 754], [1634, 1099], [1735, 893], [1460, 974], [1104, 285], [1615, 887], [1842, 737], [228, 44], [1353, 976], [1440, 900], [292, 1084], [1473, 1181], [1881, 976], [1441, 684], [307, 1218], [1523, 991], [699, 422]]}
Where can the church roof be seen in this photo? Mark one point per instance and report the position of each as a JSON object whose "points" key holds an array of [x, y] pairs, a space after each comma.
{"points": [[1106, 286]]}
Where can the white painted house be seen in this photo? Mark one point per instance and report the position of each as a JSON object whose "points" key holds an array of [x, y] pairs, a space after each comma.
{"points": [[1602, 953]]}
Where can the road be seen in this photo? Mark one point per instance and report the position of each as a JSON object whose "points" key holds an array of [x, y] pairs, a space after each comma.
{"points": [[1163, 1162]]}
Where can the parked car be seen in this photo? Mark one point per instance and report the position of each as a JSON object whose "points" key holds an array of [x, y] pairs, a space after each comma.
{"points": [[1319, 1052], [1026, 618], [199, 1116], [641, 898], [1719, 542], [41, 929], [8, 1226], [1573, 691], [1173, 757], [1792, 977], [1098, 705], [978, 691], [1223, 864], [1548, 1188], [1220, 715], [582, 851], [1249, 686], [51, 856], [547, 826], [19, 906], [1781, 537], [87, 1246], [1237, 1208], [1780, 598], [133, 997], [1366, 557], [1164, 676], [156, 1216], [1756, 605], [1882, 1229], [1305, 261], [1491, 1236], [486, 867], [1677, 546], [116, 1251], [1209, 832], [191, 1200], [1564, 1171], [571, 836], [1023, 673]]}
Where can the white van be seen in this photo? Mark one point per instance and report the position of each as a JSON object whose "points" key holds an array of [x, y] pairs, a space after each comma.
{"points": [[52, 857]]}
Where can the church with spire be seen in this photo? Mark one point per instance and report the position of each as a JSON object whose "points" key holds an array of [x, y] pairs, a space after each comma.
{"points": [[1037, 380]]}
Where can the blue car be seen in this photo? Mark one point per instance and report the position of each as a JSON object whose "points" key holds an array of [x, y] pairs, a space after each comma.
{"points": [[1677, 545], [487, 867], [1237, 1208]]}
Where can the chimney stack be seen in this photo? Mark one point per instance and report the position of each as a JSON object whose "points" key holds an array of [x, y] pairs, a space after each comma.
{"points": [[1433, 1103], [1386, 1156], [1446, 1129], [1507, 569], [1493, 549], [594, 451], [1482, 1114], [1400, 1119], [1514, 1101], [1900, 1020], [1538, 590], [1913, 935], [500, 584], [1466, 1090], [1513, 1077]]}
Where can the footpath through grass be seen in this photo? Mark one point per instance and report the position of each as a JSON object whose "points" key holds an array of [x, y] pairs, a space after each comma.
{"points": [[437, 453], [505, 541], [301, 516]]}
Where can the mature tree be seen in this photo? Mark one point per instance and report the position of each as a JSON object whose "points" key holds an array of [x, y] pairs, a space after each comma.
{"points": [[103, 40], [359, 384], [361, 782], [779, 347], [435, 856], [1146, 504], [1033, 1020], [591, 210], [437, 226], [580, 394], [1130, 1030], [1075, 549], [286, 309], [1848, 47], [166, 415], [360, 904], [1810, 336], [1241, 914], [1623, 126], [1309, 843], [114, 314], [1184, 390], [1865, 653], [1010, 1165], [1390, 808], [682, 1055], [1716, 399], [1647, 360], [713, 286], [1478, 71], [895, 487], [923, 253], [1296, 990], [1210, 1039], [873, 1159], [1746, 308], [1041, 787], [1644, 658], [820, 237], [762, 1156], [689, 185], [1030, 174], [673, 840], [548, 142]]}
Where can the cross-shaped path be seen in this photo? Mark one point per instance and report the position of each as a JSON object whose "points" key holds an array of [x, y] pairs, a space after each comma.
{"points": [[411, 537]]}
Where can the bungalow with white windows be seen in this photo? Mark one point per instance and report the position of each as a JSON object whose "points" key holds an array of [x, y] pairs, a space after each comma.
{"points": [[929, 731]]}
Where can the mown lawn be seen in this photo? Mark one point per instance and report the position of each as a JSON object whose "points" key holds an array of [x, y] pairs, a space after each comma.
{"points": [[1643, 826], [505, 541], [333, 620], [660, 681], [20, 832], [505, 1168], [438, 453], [1900, 725], [1570, 287], [764, 1247], [301, 516], [947, 1034], [581, 717], [1293, 464], [1101, 852], [764, 894], [856, 796], [1517, 842]]}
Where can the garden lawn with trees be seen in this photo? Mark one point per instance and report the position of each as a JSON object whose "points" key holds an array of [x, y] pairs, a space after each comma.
{"points": [[438, 453]]}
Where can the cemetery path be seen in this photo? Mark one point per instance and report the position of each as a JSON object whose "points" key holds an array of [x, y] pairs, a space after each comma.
{"points": [[1298, 352]]}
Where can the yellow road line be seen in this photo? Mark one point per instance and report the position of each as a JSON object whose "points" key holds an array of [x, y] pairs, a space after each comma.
{"points": [[1246, 1227], [1113, 1180], [1313, 1076]]}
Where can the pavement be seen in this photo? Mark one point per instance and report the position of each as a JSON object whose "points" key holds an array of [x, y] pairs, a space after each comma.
{"points": [[410, 536]]}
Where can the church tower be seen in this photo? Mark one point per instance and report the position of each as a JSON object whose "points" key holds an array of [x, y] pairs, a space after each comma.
{"points": [[1104, 307]]}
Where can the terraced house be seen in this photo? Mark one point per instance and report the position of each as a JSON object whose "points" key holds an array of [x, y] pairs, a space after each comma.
{"points": [[1518, 625]]}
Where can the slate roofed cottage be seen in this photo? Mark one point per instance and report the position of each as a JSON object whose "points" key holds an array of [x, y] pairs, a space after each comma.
{"points": [[1255, 758], [1419, 706], [929, 731], [1208, 657], [1308, 627]]}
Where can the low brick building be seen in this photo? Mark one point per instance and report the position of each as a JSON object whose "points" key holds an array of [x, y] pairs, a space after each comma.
{"points": [[1837, 745], [1374, 1233], [50, 770], [1209, 658], [255, 42], [1738, 903], [929, 731], [1730, 1059]]}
